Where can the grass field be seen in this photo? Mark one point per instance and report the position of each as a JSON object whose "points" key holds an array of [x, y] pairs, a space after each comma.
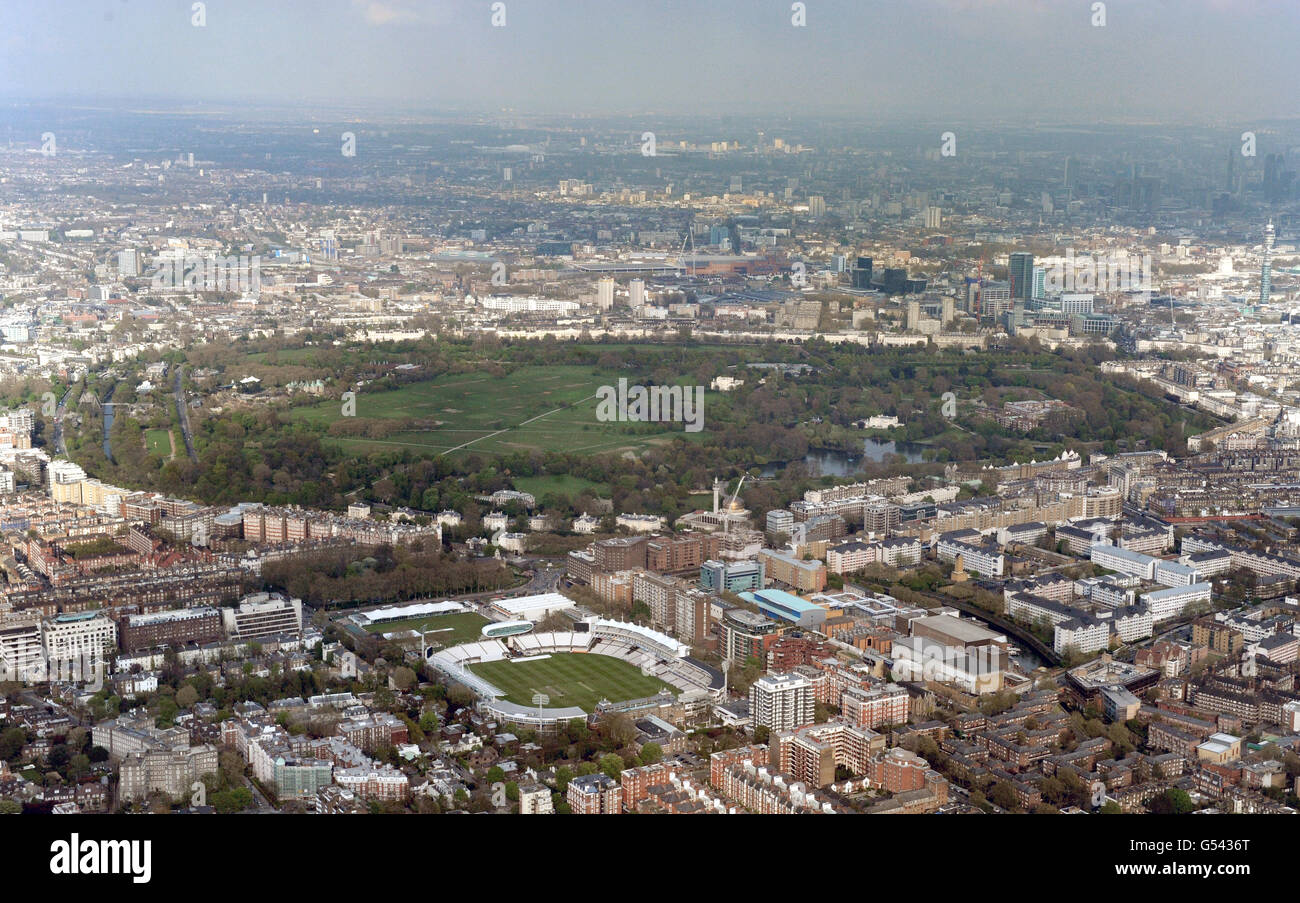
{"points": [[531, 409], [579, 678], [158, 442], [303, 356], [452, 629], [562, 483]]}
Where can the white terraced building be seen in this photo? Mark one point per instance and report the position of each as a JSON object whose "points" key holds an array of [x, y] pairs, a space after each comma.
{"points": [[1172, 602], [1113, 558], [982, 560], [851, 556], [1081, 635]]}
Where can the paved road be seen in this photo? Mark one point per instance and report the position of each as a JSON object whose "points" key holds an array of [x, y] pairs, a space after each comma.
{"points": [[60, 446], [261, 805], [107, 406], [183, 414]]}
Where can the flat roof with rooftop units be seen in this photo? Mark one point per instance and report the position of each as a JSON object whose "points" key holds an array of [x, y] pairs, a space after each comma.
{"points": [[1095, 676], [533, 608], [953, 631], [873, 604]]}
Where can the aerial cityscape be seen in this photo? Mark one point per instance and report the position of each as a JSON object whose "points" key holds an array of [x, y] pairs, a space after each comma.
{"points": [[706, 441]]}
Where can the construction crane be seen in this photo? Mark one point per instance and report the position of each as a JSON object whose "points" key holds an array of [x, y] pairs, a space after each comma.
{"points": [[689, 237], [731, 505]]}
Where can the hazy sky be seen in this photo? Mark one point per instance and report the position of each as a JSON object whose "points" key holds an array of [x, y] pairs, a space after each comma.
{"points": [[1228, 61]]}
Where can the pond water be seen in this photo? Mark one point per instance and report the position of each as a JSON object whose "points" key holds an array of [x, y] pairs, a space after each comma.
{"points": [[832, 463]]}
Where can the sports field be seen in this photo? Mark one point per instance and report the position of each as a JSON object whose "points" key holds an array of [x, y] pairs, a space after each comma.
{"points": [[576, 678], [530, 409], [158, 442], [443, 630]]}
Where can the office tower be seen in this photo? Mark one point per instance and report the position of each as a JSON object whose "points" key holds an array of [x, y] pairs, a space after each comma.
{"points": [[636, 293], [605, 293], [1273, 183], [1022, 275], [947, 307], [1040, 283], [1145, 193], [1070, 168], [894, 281], [1266, 268], [994, 299], [781, 702], [862, 273], [731, 576]]}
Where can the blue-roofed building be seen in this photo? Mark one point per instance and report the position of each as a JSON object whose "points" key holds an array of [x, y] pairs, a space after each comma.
{"points": [[782, 606]]}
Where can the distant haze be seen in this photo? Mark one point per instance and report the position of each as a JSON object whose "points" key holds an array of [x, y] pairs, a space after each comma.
{"points": [[1225, 61]]}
